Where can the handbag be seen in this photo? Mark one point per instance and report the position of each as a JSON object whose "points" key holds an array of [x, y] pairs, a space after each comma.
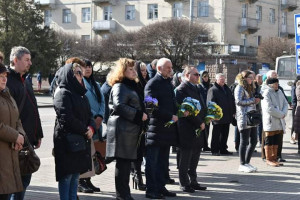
{"points": [[75, 143], [28, 160], [253, 118], [99, 163]]}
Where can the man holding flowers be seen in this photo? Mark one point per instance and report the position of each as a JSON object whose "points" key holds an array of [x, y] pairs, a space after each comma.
{"points": [[222, 96], [158, 137], [190, 143]]}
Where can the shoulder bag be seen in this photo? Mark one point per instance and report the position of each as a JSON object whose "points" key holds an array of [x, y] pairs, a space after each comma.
{"points": [[75, 142], [28, 160], [253, 118], [99, 163]]}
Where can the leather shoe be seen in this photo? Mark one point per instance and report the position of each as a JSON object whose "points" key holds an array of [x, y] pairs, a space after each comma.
{"points": [[281, 160], [206, 149], [154, 196], [188, 189], [167, 193], [226, 153], [198, 187], [170, 181], [215, 154]]}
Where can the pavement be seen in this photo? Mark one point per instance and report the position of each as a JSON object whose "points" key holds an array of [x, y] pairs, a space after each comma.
{"points": [[219, 173]]}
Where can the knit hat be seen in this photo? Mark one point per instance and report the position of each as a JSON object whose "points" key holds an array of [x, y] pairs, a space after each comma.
{"points": [[272, 80]]}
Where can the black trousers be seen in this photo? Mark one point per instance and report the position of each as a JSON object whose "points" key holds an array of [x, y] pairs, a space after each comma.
{"points": [[122, 174], [4, 196], [188, 163], [219, 138], [246, 149]]}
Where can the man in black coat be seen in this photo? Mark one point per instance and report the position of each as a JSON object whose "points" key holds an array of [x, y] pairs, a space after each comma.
{"points": [[158, 137], [151, 68], [221, 95], [21, 90], [189, 144]]}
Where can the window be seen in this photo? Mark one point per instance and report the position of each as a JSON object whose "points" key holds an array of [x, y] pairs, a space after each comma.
{"points": [[203, 8], [130, 12], [177, 10], [259, 13], [66, 15], [258, 40], [86, 15], [107, 13], [284, 18], [244, 10], [152, 11], [47, 17], [85, 39], [272, 16], [202, 39]]}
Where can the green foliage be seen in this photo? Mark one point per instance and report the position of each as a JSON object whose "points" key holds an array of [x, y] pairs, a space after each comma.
{"points": [[22, 25]]}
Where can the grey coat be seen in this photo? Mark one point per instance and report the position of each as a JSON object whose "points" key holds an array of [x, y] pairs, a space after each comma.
{"points": [[244, 103], [124, 122], [274, 108]]}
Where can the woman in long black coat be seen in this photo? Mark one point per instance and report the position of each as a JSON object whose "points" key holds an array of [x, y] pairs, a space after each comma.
{"points": [[73, 116], [124, 123]]}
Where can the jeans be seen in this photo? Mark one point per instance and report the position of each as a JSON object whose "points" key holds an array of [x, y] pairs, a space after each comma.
{"points": [[156, 168], [247, 149], [67, 187], [20, 195]]}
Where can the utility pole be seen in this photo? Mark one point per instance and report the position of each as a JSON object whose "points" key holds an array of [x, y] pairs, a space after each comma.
{"points": [[191, 22]]}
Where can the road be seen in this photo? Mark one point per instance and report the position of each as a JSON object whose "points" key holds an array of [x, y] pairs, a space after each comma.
{"points": [[219, 174]]}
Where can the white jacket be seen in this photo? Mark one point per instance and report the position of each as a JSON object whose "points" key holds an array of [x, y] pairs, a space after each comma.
{"points": [[274, 108]]}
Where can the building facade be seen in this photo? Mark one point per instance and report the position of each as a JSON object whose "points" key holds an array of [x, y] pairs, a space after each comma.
{"points": [[238, 25]]}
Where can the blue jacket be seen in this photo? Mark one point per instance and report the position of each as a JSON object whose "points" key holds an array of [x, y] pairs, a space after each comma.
{"points": [[151, 71], [97, 109]]}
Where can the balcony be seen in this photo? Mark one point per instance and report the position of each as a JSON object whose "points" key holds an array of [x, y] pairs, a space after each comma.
{"points": [[248, 26], [104, 25], [248, 1], [244, 51], [46, 3], [287, 31], [112, 2], [288, 5]]}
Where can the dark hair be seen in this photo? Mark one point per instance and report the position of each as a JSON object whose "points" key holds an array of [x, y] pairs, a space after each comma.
{"points": [[297, 79], [92, 80]]}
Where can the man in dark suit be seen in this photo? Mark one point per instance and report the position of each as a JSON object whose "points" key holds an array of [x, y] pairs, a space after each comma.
{"points": [[158, 137], [189, 144], [151, 68], [221, 95]]}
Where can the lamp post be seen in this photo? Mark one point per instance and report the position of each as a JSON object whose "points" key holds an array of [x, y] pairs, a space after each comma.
{"points": [[190, 24]]}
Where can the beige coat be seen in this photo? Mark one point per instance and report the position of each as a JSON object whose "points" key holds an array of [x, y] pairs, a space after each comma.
{"points": [[10, 127]]}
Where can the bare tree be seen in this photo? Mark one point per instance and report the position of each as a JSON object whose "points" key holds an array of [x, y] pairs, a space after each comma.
{"points": [[273, 47], [175, 39], [119, 45]]}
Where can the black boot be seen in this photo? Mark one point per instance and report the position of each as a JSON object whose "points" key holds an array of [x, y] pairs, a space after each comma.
{"points": [[90, 185], [82, 186], [137, 179]]}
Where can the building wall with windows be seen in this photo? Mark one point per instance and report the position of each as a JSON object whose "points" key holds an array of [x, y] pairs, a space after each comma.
{"points": [[234, 22]]}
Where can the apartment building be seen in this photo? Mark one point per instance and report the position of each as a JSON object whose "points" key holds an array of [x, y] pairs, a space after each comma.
{"points": [[238, 25]]}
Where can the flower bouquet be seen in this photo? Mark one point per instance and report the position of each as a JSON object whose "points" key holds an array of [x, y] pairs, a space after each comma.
{"points": [[151, 104], [189, 104], [214, 112]]}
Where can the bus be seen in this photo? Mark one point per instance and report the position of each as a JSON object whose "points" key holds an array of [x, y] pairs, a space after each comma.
{"points": [[286, 70]]}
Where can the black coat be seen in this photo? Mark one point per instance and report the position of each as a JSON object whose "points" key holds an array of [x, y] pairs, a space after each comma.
{"points": [[125, 122], [157, 134], [105, 89], [29, 115], [188, 125], [225, 100], [73, 115]]}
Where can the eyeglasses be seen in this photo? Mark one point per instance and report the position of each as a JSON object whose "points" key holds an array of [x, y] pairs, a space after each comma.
{"points": [[78, 73], [196, 74]]}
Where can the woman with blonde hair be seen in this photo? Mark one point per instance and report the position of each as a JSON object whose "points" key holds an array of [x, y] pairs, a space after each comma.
{"points": [[245, 102], [124, 124]]}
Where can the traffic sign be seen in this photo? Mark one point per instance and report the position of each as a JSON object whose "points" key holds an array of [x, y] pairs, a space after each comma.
{"points": [[298, 58], [297, 28]]}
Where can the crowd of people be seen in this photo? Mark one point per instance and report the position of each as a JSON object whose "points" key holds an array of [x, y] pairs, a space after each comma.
{"points": [[134, 136]]}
